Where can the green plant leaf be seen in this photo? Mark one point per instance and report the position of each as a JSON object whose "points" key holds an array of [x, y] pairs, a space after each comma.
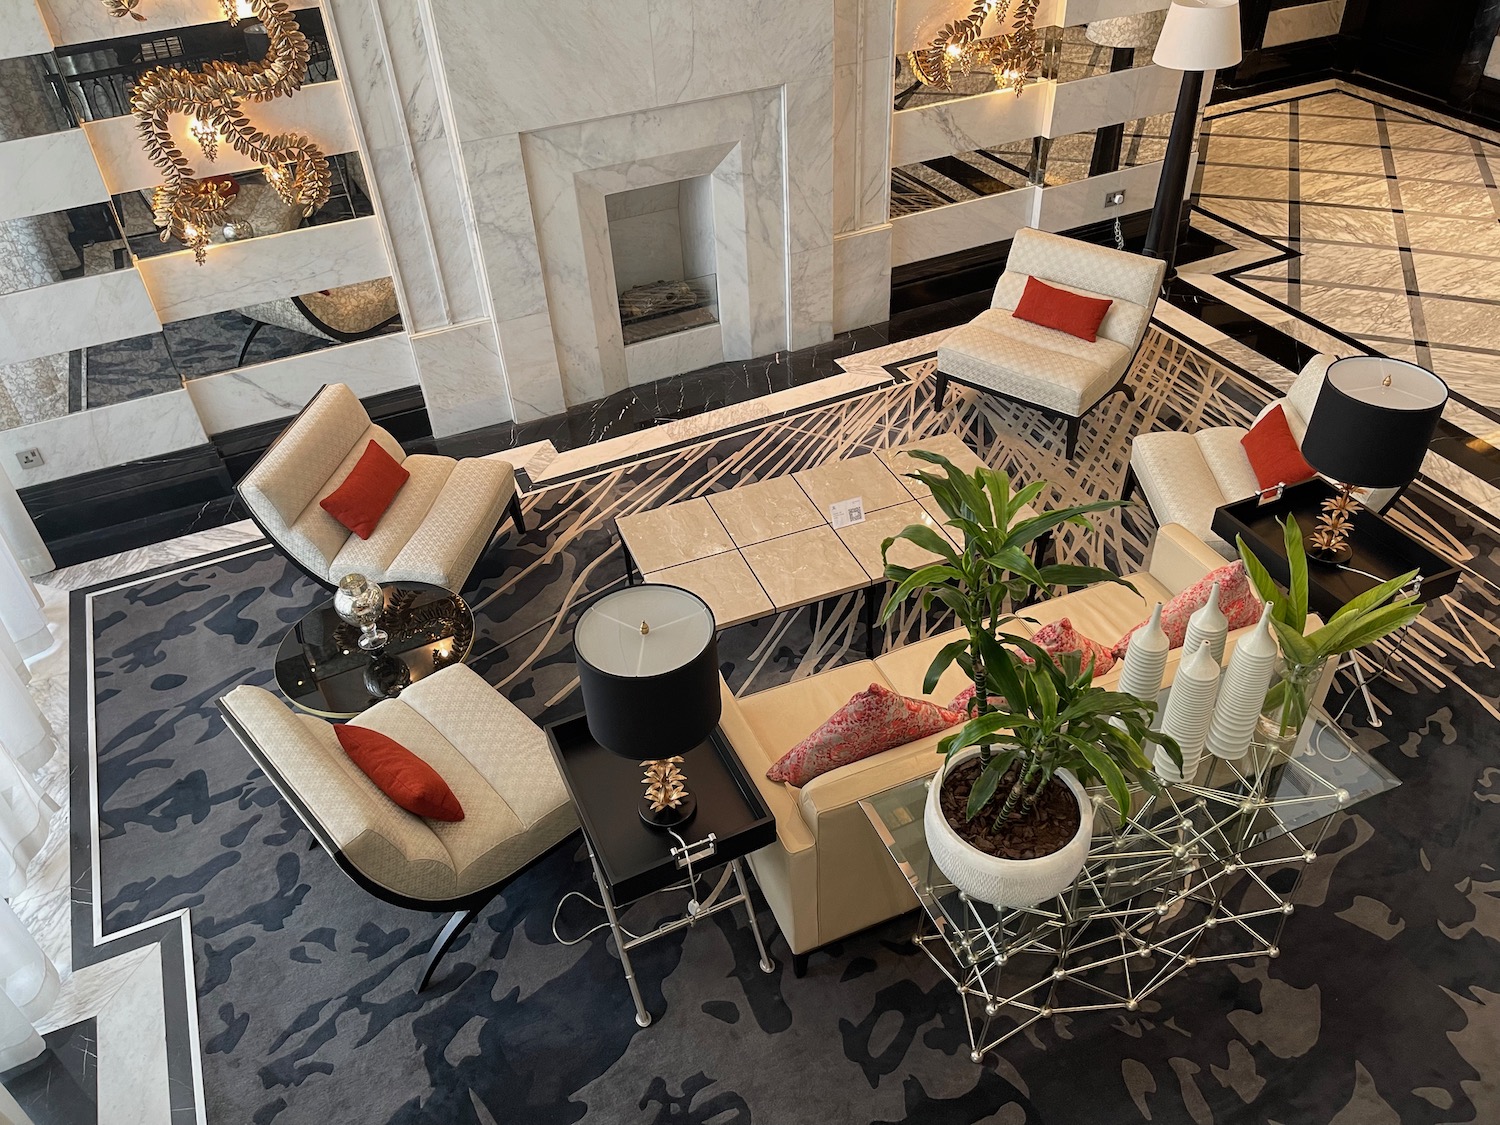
{"points": [[1261, 579], [1066, 574], [926, 538], [1379, 623], [940, 663], [997, 484], [1296, 562], [931, 575], [1331, 637], [988, 781], [1104, 767], [1294, 645], [1028, 529]]}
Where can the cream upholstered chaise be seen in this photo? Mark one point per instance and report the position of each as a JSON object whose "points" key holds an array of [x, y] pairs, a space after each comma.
{"points": [[827, 875], [435, 529], [1186, 477], [1060, 374], [495, 759]]}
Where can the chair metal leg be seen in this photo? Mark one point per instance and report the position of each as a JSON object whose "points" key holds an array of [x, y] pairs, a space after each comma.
{"points": [[939, 391], [450, 932], [1132, 483], [1072, 436], [255, 328], [1128, 391], [517, 516]]}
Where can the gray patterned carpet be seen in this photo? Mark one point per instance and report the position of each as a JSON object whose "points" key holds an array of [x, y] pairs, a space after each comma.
{"points": [[1384, 1006]]}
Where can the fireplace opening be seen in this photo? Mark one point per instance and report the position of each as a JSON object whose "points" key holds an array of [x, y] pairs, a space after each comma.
{"points": [[661, 239]]}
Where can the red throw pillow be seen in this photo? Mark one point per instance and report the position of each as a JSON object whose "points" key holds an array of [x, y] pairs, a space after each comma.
{"points": [[1060, 637], [1274, 453], [367, 491], [1238, 601], [1072, 313], [399, 774], [873, 721]]}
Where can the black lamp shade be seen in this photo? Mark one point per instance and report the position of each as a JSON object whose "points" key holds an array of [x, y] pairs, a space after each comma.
{"points": [[655, 693], [1373, 421]]}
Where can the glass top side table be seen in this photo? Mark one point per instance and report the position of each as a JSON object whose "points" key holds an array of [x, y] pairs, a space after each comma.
{"points": [[1181, 882]]}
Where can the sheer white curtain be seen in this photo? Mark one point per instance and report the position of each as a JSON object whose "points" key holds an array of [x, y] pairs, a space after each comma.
{"points": [[30, 985], [19, 533], [21, 606]]}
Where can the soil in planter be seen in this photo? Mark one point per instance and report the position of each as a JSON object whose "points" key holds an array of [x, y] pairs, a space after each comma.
{"points": [[1051, 822]]}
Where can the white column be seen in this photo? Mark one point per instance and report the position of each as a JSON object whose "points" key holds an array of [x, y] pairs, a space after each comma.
{"points": [[21, 607], [30, 985], [25, 734], [25, 817], [19, 533]]}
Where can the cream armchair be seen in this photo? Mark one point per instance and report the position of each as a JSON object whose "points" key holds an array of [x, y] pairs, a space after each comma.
{"points": [[1059, 374], [496, 761], [828, 876], [1187, 477], [435, 529]]}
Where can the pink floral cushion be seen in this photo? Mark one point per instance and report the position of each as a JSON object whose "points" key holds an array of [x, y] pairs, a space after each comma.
{"points": [[1238, 602], [873, 721], [963, 702], [1060, 637]]}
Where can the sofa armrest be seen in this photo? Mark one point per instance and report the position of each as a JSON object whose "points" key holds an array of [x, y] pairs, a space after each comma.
{"points": [[848, 785], [791, 831], [1179, 558]]}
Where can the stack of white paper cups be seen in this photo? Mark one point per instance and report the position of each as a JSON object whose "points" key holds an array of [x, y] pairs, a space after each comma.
{"points": [[1243, 692], [1146, 660], [1190, 710], [1208, 625]]}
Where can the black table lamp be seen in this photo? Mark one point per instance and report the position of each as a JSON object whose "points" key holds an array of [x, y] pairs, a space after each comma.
{"points": [[648, 663], [1371, 427]]}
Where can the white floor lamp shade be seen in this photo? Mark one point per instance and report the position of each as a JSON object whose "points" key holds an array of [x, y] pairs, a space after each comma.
{"points": [[20, 533], [25, 734], [21, 607], [1200, 35]]}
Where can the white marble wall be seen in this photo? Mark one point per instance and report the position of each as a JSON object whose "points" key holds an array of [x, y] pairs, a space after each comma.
{"points": [[25, 33], [48, 173], [74, 314], [645, 235], [663, 78], [85, 21], [864, 62], [1307, 21], [463, 377]]}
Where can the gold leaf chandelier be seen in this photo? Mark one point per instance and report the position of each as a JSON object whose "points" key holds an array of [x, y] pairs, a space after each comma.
{"points": [[184, 206], [960, 49]]}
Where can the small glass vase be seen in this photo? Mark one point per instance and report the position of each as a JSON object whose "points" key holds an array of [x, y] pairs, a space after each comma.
{"points": [[1288, 705], [350, 587]]}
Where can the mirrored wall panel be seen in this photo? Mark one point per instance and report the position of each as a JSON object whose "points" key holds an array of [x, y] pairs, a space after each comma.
{"points": [[29, 101], [38, 250], [255, 209], [962, 176], [93, 81], [1080, 155]]}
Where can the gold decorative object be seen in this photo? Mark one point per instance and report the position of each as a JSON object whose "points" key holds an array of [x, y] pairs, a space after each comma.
{"points": [[958, 48], [1330, 538], [184, 206], [666, 784]]}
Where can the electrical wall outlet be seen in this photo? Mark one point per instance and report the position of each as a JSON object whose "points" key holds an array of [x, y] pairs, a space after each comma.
{"points": [[1114, 199], [30, 458]]}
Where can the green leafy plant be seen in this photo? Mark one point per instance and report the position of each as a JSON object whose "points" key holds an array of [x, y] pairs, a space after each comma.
{"points": [[1029, 710], [1376, 613]]}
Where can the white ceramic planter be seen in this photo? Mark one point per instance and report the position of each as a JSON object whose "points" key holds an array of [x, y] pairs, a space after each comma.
{"points": [[1009, 883]]}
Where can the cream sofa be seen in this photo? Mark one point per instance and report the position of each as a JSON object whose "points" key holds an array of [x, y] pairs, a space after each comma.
{"points": [[1061, 375], [1186, 477], [827, 875], [495, 759], [435, 529]]}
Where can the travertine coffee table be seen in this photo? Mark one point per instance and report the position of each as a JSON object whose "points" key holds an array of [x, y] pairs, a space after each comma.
{"points": [[770, 546]]}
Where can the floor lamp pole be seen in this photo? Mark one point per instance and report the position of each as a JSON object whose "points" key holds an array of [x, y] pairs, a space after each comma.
{"points": [[1166, 215]]}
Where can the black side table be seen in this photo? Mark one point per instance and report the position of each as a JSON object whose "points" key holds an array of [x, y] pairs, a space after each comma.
{"points": [[631, 860], [321, 669]]}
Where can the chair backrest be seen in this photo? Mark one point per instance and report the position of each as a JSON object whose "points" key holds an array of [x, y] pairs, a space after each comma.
{"points": [[309, 460], [358, 824], [1132, 281]]}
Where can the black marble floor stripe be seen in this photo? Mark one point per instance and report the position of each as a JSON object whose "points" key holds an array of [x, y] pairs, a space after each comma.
{"points": [[1403, 238], [61, 1087], [1294, 203]]}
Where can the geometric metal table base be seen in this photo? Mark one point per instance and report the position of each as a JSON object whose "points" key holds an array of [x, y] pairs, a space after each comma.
{"points": [[1204, 872]]}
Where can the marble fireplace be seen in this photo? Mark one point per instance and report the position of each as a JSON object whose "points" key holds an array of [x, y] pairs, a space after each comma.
{"points": [[661, 243]]}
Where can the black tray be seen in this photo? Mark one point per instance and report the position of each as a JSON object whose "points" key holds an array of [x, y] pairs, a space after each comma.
{"points": [[1380, 548], [637, 860]]}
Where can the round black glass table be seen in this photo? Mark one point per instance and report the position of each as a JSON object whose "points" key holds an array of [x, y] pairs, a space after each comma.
{"points": [[321, 668]]}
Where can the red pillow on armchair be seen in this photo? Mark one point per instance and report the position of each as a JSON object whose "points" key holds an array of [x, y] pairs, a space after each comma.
{"points": [[399, 774], [873, 721], [360, 501], [1052, 307], [1274, 453]]}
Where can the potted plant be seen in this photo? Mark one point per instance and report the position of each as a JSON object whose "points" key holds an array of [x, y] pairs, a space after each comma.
{"points": [[1376, 613], [1007, 817]]}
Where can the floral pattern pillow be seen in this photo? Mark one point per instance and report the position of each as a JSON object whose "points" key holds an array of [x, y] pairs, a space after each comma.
{"points": [[873, 721], [1238, 602], [1060, 637]]}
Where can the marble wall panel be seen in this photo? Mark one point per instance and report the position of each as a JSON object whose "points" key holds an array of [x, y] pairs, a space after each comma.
{"points": [[319, 111], [102, 437], [1077, 204], [941, 129], [1109, 99], [533, 374], [237, 274], [647, 247], [264, 392], [959, 226], [48, 173], [463, 378], [75, 314], [862, 278], [25, 33], [501, 197], [695, 209], [689, 350], [707, 48], [1307, 21], [85, 21]]}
